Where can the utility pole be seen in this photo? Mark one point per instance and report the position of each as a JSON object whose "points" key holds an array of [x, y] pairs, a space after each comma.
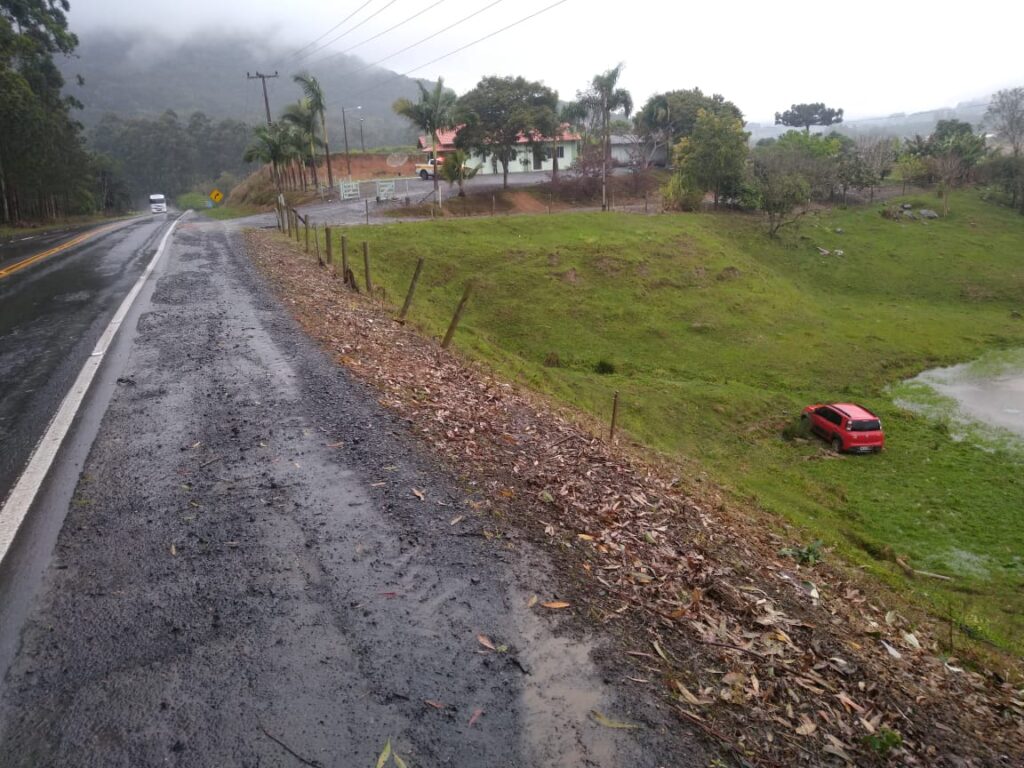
{"points": [[344, 128], [266, 99], [362, 141]]}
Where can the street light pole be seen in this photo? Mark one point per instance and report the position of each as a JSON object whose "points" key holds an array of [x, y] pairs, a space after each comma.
{"points": [[362, 141], [344, 128]]}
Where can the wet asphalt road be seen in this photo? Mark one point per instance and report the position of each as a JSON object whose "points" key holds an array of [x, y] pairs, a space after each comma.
{"points": [[51, 314], [244, 574]]}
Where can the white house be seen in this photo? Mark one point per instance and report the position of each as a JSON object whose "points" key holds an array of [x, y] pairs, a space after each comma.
{"points": [[528, 158]]}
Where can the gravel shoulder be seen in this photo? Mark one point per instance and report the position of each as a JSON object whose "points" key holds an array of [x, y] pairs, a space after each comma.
{"points": [[263, 566]]}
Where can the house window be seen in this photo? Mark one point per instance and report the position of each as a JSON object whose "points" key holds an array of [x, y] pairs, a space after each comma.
{"points": [[561, 153]]}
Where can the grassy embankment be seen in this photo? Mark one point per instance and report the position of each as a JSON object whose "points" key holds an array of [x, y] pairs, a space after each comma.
{"points": [[719, 336]]}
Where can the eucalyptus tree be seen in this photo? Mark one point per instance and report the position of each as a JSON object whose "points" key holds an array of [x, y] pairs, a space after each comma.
{"points": [[433, 113]]}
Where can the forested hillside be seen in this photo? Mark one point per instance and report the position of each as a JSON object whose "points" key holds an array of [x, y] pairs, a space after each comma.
{"points": [[139, 76]]}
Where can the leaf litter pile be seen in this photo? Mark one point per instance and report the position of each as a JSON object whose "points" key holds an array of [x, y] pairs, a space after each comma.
{"points": [[778, 663]]}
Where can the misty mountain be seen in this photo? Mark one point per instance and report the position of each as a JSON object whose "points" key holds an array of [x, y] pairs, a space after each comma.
{"points": [[900, 125], [139, 76]]}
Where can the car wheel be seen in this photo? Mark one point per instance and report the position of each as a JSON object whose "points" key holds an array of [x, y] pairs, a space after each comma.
{"points": [[837, 444], [424, 175]]}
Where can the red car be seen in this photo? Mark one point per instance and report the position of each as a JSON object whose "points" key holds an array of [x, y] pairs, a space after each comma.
{"points": [[849, 427]]}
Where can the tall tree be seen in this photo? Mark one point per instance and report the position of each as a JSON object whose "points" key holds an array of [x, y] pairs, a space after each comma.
{"points": [[314, 95], [501, 113], [1006, 116], [304, 120], [806, 115], [434, 112], [596, 105], [713, 156]]}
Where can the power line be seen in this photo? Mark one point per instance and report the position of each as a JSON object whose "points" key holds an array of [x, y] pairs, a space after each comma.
{"points": [[418, 42], [379, 34], [325, 34], [507, 27], [346, 32]]}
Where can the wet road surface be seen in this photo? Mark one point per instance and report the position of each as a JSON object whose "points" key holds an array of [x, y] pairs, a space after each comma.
{"points": [[51, 314], [245, 574]]}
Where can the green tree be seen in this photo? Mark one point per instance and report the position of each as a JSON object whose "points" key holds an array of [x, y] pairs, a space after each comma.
{"points": [[594, 108], [301, 117], [806, 115], [912, 169], [434, 112], [666, 118], [712, 158], [776, 187], [314, 96], [456, 169], [500, 112]]}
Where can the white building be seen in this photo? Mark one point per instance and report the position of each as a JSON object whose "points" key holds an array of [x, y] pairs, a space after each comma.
{"points": [[529, 158]]}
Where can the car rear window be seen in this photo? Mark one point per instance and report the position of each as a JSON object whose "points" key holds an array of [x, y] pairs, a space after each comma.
{"points": [[866, 425]]}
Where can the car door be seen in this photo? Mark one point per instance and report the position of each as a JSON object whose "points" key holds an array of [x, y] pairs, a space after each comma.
{"points": [[821, 422]]}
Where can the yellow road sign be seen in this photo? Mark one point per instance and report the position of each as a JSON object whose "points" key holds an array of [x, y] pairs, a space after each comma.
{"points": [[216, 195]]}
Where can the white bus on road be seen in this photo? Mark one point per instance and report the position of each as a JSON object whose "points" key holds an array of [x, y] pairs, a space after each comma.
{"points": [[157, 204]]}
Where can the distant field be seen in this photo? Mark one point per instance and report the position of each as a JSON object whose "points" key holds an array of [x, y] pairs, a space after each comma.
{"points": [[718, 336]]}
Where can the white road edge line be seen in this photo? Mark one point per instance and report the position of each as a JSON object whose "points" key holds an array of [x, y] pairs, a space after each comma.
{"points": [[20, 499]]}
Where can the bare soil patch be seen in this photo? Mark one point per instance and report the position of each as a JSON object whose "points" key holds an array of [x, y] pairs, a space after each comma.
{"points": [[783, 663]]}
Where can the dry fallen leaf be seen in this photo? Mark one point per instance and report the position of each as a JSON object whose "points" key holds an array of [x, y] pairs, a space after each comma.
{"points": [[486, 642], [418, 494], [556, 604], [532, 601], [174, 550], [806, 728], [456, 520], [476, 716], [434, 704]]}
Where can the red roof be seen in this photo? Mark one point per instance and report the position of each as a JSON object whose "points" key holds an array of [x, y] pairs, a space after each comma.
{"points": [[446, 139]]}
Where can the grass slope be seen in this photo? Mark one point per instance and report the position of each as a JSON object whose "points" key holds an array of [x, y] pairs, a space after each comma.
{"points": [[719, 336]]}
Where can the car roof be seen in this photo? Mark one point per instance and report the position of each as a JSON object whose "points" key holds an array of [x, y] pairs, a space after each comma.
{"points": [[854, 411]]}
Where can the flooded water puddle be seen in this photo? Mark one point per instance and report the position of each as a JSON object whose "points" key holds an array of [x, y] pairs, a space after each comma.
{"points": [[988, 392]]}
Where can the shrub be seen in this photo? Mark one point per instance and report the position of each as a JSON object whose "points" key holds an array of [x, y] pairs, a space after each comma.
{"points": [[809, 555], [552, 360], [604, 367], [679, 196]]}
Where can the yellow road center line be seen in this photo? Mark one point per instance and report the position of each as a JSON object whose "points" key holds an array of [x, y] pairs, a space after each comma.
{"points": [[8, 271]]}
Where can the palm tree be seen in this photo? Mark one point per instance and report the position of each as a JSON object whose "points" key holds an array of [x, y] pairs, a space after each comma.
{"points": [[268, 148], [434, 112], [603, 98], [303, 120], [455, 169], [315, 98]]}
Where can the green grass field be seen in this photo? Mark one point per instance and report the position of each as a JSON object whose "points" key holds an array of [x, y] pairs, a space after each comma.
{"points": [[719, 336]]}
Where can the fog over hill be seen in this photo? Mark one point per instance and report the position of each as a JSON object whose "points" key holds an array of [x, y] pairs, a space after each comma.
{"points": [[135, 75]]}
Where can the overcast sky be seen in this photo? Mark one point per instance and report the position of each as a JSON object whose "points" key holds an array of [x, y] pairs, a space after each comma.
{"points": [[871, 57]]}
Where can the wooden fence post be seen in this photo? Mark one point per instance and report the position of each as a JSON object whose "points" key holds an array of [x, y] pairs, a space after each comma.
{"points": [[412, 290], [615, 414], [287, 217], [457, 316], [344, 260], [316, 239], [306, 223], [328, 245], [494, 205], [367, 210], [366, 267]]}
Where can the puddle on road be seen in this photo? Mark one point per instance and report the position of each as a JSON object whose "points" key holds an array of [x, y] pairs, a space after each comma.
{"points": [[562, 689]]}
